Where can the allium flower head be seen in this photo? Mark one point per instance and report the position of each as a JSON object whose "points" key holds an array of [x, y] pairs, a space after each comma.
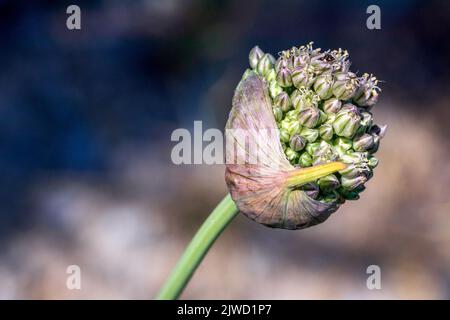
{"points": [[321, 111]]}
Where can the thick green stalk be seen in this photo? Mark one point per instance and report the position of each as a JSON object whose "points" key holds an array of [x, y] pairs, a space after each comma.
{"points": [[217, 221]]}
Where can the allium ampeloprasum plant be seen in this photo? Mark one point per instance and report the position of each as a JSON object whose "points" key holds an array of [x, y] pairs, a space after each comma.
{"points": [[320, 156]]}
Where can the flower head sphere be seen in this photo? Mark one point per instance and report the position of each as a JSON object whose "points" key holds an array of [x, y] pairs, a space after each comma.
{"points": [[324, 142]]}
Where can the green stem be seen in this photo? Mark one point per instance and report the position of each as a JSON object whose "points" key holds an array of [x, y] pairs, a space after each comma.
{"points": [[213, 226]]}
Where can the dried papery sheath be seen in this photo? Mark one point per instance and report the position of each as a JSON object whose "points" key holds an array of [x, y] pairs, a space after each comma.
{"points": [[318, 112]]}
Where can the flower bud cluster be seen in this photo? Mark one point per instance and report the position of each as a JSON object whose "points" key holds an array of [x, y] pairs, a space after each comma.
{"points": [[322, 110]]}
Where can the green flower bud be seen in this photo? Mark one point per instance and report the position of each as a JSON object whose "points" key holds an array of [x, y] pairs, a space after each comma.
{"points": [[347, 121], [326, 131], [309, 117], [265, 64], [284, 77], [291, 155], [283, 101], [351, 171], [303, 77], [343, 144], [311, 189], [310, 135], [322, 62], [372, 162], [274, 89], [303, 98], [305, 160], [292, 127], [284, 136], [312, 148], [254, 56], [345, 87], [282, 61], [297, 142], [247, 73], [324, 153], [332, 105], [366, 121], [278, 113], [298, 61], [376, 144], [330, 118], [377, 133], [271, 76], [349, 195], [322, 117], [354, 157], [333, 197], [324, 85], [353, 183], [328, 183], [292, 115], [363, 142]]}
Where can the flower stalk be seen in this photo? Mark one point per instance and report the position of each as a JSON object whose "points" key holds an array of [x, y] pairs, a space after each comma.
{"points": [[213, 226]]}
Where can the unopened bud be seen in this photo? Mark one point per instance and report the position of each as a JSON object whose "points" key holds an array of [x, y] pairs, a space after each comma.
{"points": [[305, 160], [311, 189], [247, 73], [265, 64], [332, 105], [366, 121], [323, 86], [352, 183], [283, 101], [254, 56], [309, 117], [363, 142], [347, 121], [271, 76], [372, 162], [284, 136], [326, 131], [310, 135], [278, 113], [346, 88], [292, 127], [324, 153], [343, 144], [367, 93], [274, 89], [355, 157], [291, 155], [328, 183], [284, 77], [297, 142], [303, 98], [303, 77], [378, 130]]}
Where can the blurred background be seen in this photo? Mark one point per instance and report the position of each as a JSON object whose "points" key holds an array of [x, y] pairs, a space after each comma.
{"points": [[85, 170]]}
